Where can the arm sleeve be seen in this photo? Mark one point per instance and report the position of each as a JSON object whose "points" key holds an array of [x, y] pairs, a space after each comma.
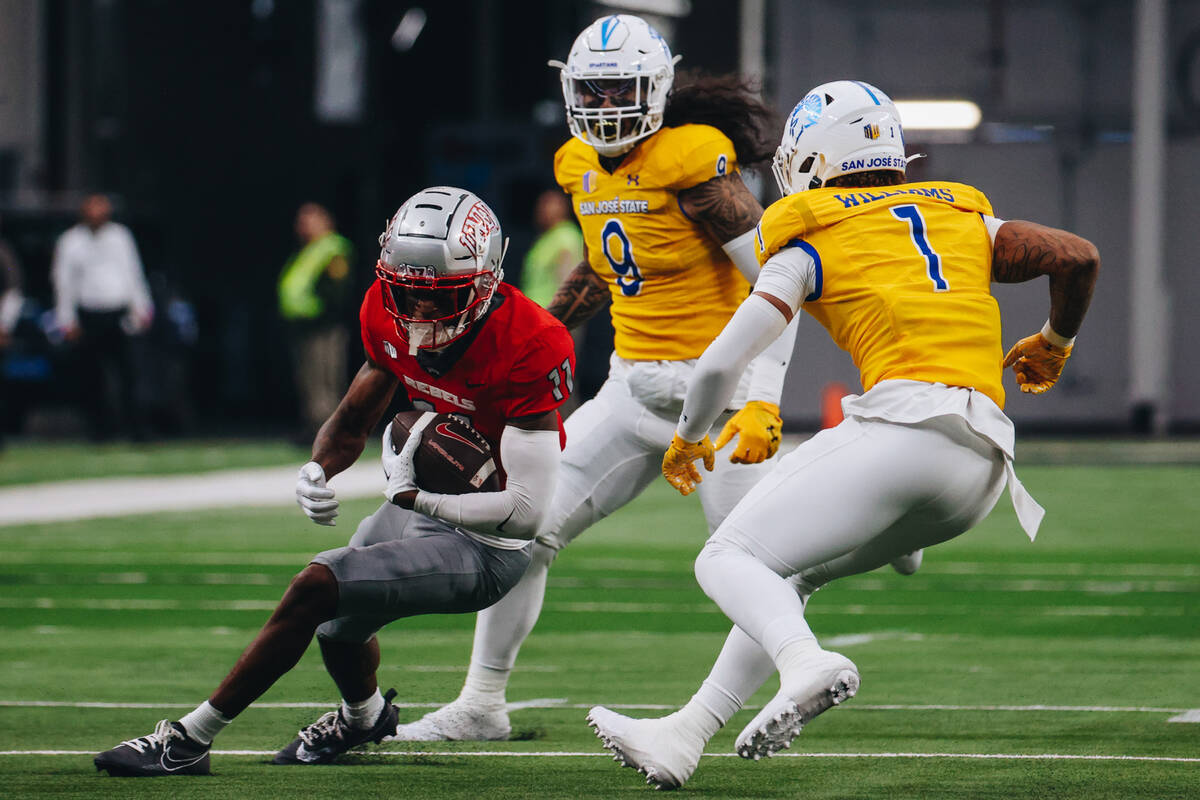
{"points": [[769, 368], [740, 250], [753, 326], [993, 225], [531, 463], [65, 285], [790, 275]]}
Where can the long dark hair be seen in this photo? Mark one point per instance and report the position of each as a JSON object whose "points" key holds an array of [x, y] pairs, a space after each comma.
{"points": [[730, 104]]}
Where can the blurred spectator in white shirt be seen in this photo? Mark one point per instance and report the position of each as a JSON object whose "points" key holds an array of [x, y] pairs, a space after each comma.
{"points": [[101, 300], [11, 297], [11, 301]]}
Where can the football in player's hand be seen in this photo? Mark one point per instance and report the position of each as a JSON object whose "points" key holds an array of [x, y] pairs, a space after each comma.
{"points": [[453, 457]]}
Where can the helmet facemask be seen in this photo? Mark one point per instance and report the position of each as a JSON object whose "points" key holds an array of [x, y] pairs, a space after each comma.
{"points": [[612, 113], [430, 312]]}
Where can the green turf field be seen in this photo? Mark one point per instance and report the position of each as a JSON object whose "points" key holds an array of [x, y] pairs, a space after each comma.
{"points": [[33, 462], [1001, 670]]}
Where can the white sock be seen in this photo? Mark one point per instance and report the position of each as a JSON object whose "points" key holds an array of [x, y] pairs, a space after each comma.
{"points": [[784, 632], [364, 713], [485, 685], [500, 630], [794, 656], [740, 669], [697, 717], [204, 723]]}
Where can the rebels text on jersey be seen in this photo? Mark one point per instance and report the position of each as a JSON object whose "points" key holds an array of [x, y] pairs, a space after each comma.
{"points": [[520, 364]]}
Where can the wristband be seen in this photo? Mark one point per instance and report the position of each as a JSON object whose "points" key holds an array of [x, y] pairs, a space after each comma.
{"points": [[1056, 339]]}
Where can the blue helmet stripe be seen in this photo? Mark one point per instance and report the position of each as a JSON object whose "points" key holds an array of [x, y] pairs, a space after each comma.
{"points": [[867, 89], [606, 29]]}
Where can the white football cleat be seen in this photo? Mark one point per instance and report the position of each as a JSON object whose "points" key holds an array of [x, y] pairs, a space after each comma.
{"points": [[823, 682], [666, 753], [908, 563], [459, 721]]}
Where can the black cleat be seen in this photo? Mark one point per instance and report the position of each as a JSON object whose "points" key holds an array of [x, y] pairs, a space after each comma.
{"points": [[167, 751], [331, 735]]}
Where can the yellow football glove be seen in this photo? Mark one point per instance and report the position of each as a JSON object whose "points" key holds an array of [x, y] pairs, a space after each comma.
{"points": [[1036, 363], [757, 426], [678, 468]]}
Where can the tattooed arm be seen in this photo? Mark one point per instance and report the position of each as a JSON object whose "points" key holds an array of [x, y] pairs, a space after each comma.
{"points": [[581, 295], [724, 205], [1025, 250], [729, 212]]}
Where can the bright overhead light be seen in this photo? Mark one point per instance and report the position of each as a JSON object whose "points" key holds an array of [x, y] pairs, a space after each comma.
{"points": [[410, 27], [945, 115]]}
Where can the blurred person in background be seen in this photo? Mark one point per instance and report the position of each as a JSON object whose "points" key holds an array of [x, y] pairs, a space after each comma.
{"points": [[11, 300], [314, 301], [668, 226], [555, 252], [102, 302], [900, 276]]}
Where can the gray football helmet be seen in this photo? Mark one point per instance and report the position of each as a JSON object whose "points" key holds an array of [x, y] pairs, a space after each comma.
{"points": [[439, 265]]}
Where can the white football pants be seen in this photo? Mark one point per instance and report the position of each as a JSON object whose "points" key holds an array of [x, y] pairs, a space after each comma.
{"points": [[848, 500], [615, 445]]}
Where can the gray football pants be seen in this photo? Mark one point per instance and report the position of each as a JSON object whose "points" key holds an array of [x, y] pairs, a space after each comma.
{"points": [[400, 564]]}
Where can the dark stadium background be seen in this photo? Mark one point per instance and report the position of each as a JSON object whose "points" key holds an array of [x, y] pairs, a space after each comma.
{"points": [[200, 119]]}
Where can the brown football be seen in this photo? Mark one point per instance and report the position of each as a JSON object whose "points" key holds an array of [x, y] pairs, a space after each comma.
{"points": [[453, 457]]}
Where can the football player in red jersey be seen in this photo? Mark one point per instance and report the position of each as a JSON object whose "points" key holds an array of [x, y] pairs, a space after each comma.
{"points": [[439, 323]]}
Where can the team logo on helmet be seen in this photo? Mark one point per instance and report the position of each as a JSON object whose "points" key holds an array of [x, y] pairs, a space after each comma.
{"points": [[871, 131], [607, 28], [476, 228], [806, 114]]}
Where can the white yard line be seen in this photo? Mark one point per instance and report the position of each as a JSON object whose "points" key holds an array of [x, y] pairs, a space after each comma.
{"points": [[563, 754], [559, 703], [114, 497], [251, 605], [167, 604]]}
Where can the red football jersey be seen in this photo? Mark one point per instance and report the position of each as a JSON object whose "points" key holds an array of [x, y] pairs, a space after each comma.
{"points": [[521, 363]]}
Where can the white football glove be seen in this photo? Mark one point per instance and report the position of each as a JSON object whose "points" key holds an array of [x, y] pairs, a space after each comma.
{"points": [[314, 496], [398, 467]]}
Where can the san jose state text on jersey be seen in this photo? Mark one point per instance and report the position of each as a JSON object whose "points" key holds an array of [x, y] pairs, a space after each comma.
{"points": [[614, 206]]}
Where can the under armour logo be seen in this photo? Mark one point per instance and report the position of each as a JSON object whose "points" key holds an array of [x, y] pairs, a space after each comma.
{"points": [[632, 180]]}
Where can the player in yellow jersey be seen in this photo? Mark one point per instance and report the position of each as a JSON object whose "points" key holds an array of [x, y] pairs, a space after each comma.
{"points": [[652, 173], [899, 275]]}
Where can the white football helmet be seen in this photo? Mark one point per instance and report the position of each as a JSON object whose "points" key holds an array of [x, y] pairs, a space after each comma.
{"points": [[439, 265], [838, 128], [623, 60]]}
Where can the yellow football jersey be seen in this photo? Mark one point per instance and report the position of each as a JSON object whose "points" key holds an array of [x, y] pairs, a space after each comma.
{"points": [[673, 288], [903, 278]]}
